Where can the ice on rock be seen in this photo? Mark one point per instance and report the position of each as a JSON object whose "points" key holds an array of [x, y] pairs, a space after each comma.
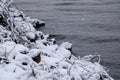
{"points": [[35, 55], [11, 49], [31, 36], [63, 53], [92, 58], [67, 45], [34, 52], [28, 54], [50, 61], [37, 23]]}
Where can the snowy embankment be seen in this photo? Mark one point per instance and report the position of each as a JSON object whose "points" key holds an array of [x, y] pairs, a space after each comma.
{"points": [[28, 54]]}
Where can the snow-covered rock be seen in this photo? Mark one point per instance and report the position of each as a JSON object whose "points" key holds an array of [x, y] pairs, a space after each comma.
{"points": [[37, 23], [31, 36], [67, 45]]}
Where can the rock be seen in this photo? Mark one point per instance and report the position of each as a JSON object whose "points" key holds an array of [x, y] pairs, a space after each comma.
{"points": [[63, 53], [37, 23], [92, 58], [67, 46], [96, 58], [35, 55], [37, 58], [31, 36]]}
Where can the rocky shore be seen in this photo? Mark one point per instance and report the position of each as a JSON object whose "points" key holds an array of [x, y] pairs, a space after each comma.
{"points": [[28, 54]]}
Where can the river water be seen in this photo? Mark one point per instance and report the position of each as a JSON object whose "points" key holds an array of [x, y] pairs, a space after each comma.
{"points": [[90, 25]]}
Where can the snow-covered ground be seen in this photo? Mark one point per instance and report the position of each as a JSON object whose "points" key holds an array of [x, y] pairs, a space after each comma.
{"points": [[28, 54]]}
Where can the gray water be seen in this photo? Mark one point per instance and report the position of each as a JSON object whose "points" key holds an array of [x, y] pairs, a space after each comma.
{"points": [[90, 25]]}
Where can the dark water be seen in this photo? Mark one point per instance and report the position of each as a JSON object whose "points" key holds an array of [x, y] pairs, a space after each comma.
{"points": [[90, 25]]}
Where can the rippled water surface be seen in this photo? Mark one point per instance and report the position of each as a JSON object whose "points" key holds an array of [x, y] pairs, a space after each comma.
{"points": [[90, 25]]}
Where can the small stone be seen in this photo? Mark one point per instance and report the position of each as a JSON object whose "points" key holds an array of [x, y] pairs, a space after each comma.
{"points": [[37, 58]]}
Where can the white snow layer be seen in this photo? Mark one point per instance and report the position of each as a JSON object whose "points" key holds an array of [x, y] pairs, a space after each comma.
{"points": [[28, 54]]}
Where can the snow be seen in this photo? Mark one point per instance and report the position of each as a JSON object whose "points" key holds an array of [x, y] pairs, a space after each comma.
{"points": [[6, 75], [28, 54], [66, 45], [31, 35]]}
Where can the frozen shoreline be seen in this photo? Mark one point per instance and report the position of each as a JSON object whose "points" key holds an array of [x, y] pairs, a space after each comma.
{"points": [[98, 17], [28, 54]]}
